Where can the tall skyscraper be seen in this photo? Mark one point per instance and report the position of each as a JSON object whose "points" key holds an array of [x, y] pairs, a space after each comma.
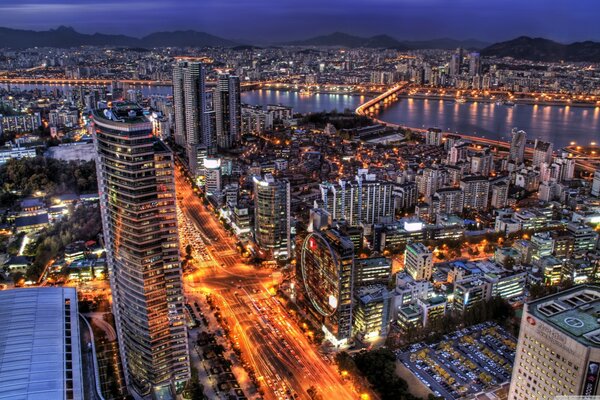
{"points": [[192, 125], [454, 65], [272, 218], [418, 261], [558, 353], [517, 146], [474, 64], [227, 106], [137, 197]]}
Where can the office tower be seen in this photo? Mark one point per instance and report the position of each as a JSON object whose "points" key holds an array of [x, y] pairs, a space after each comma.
{"points": [[191, 119], [474, 64], [41, 344], [418, 261], [212, 177], [272, 219], [137, 197], [433, 137], [475, 192], [499, 194], [542, 153], [371, 271], [227, 106], [517, 146], [362, 201], [596, 184], [327, 267], [372, 313], [447, 201], [482, 162], [558, 352]]}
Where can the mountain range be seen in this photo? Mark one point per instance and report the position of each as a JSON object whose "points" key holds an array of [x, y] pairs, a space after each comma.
{"points": [[67, 37], [527, 48], [385, 41], [540, 49]]}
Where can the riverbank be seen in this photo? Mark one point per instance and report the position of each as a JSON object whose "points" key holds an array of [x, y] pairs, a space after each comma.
{"points": [[517, 101]]}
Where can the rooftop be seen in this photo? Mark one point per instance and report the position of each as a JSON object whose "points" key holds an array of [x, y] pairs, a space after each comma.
{"points": [[575, 312], [39, 357]]}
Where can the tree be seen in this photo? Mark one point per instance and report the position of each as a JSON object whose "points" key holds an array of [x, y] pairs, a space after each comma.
{"points": [[196, 390]]}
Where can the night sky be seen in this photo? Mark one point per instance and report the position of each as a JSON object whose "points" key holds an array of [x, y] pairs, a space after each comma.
{"points": [[278, 20]]}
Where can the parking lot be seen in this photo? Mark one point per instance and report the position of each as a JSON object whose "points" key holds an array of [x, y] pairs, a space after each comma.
{"points": [[466, 362]]}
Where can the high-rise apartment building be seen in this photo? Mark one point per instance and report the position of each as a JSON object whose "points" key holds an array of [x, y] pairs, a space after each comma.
{"points": [[272, 218], [192, 125], [228, 111], [499, 194], [434, 137], [137, 197], [418, 261], [447, 201], [517, 145], [482, 162], [362, 201], [475, 192], [558, 353], [542, 153]]}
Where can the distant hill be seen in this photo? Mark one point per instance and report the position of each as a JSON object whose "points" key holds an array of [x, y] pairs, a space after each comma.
{"points": [[540, 49], [341, 39], [67, 37], [185, 39], [446, 43]]}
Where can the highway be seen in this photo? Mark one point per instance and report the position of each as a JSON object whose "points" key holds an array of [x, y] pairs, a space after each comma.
{"points": [[284, 361]]}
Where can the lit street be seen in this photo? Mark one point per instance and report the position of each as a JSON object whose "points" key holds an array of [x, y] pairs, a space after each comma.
{"points": [[284, 361]]}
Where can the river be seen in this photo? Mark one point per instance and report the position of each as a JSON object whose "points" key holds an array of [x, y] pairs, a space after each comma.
{"points": [[557, 124]]}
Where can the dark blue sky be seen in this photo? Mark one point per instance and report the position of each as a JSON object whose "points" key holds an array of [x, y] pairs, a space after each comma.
{"points": [[277, 20]]}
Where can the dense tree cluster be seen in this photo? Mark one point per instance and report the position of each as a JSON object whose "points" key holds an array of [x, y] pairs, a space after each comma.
{"points": [[346, 120], [378, 367], [48, 175], [83, 223]]}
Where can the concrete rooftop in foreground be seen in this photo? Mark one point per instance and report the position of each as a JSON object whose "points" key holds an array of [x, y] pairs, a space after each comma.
{"points": [[40, 351]]}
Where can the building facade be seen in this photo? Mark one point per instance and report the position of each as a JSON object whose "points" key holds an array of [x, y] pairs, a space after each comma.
{"points": [[272, 219], [558, 352], [137, 197]]}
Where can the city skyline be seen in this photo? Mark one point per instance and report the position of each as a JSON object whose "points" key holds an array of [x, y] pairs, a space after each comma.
{"points": [[352, 217], [257, 22]]}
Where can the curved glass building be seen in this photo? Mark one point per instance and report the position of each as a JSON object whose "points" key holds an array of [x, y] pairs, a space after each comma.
{"points": [[327, 266], [137, 198]]}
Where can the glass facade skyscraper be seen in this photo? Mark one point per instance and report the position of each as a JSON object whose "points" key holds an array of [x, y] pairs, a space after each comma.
{"points": [[137, 198]]}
